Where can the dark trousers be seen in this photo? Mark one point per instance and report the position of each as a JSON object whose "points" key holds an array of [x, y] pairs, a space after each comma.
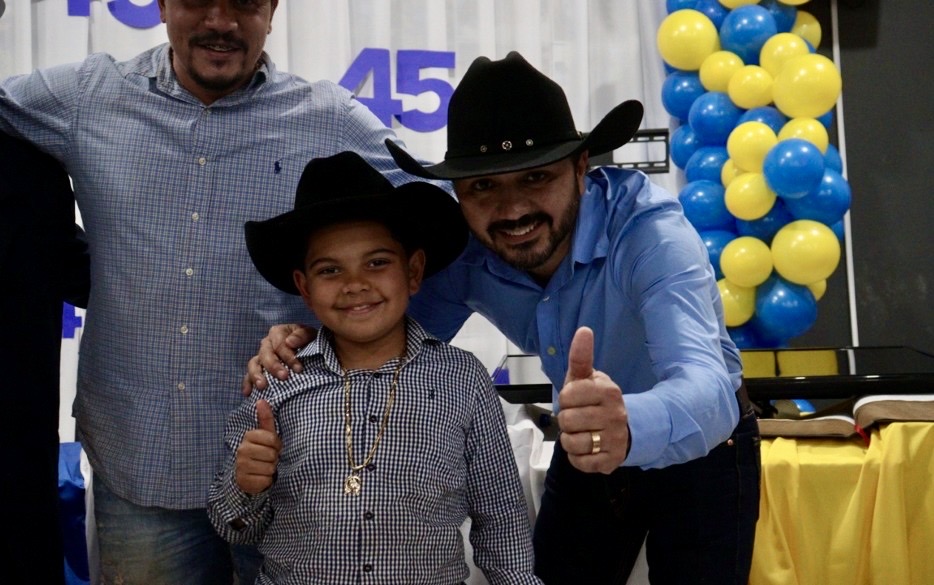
{"points": [[697, 519]]}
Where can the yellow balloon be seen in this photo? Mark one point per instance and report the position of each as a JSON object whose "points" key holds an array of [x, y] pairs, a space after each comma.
{"points": [[728, 172], [818, 289], [805, 251], [746, 260], [807, 27], [748, 197], [739, 302], [731, 4], [685, 38], [751, 87], [807, 86], [779, 49], [794, 2], [717, 70], [748, 144], [807, 129]]}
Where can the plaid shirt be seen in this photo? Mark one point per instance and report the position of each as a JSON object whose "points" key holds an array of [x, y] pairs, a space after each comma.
{"points": [[445, 455], [164, 185]]}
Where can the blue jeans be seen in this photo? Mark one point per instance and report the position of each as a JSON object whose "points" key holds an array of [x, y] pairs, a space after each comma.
{"points": [[697, 519], [156, 546]]}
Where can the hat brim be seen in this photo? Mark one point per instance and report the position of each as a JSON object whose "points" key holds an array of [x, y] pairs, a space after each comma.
{"points": [[613, 131], [428, 217]]}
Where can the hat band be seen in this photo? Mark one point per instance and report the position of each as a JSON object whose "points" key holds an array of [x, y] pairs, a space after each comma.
{"points": [[509, 145]]}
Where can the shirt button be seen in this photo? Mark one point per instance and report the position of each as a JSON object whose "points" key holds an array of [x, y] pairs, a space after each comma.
{"points": [[202, 161], [181, 386], [368, 515], [552, 351], [189, 272], [183, 329], [374, 418], [195, 216], [367, 568], [371, 467]]}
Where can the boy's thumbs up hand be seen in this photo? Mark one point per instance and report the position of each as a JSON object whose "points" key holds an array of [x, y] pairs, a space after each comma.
{"points": [[258, 453], [592, 417]]}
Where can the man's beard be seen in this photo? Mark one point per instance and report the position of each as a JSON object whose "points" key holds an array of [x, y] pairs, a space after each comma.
{"points": [[531, 255]]}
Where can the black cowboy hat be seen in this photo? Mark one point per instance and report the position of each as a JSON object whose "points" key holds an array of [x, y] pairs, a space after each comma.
{"points": [[345, 187], [507, 116]]}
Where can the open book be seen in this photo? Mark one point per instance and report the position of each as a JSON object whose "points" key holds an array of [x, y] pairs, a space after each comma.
{"points": [[852, 417]]}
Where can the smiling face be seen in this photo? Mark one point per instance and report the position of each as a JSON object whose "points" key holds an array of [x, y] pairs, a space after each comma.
{"points": [[357, 278], [526, 217], [216, 44]]}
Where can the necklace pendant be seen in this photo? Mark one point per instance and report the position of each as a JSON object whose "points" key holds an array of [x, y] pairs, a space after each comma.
{"points": [[352, 485]]}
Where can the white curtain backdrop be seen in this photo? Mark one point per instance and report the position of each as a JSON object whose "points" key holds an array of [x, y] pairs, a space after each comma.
{"points": [[601, 51]]}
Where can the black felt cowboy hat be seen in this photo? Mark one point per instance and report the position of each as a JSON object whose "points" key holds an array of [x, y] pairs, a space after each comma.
{"points": [[507, 116], [344, 187]]}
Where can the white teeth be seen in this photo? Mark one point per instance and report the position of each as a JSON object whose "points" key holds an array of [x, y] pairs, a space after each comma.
{"points": [[521, 231], [218, 48]]}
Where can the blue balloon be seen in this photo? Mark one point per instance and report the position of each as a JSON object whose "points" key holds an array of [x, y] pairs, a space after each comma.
{"points": [[715, 240], [768, 115], [839, 230], [704, 207], [766, 226], [745, 29], [713, 116], [713, 10], [679, 91], [793, 168], [684, 143], [832, 159], [826, 119], [783, 309], [744, 336], [783, 14], [826, 204], [673, 5], [706, 163]]}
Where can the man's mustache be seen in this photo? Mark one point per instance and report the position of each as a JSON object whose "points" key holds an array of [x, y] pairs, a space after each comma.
{"points": [[228, 39]]}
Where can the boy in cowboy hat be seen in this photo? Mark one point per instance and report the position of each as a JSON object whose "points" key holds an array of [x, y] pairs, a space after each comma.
{"points": [[367, 463], [600, 274]]}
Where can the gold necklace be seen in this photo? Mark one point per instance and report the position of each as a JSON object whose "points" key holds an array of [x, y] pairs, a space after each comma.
{"points": [[353, 482]]}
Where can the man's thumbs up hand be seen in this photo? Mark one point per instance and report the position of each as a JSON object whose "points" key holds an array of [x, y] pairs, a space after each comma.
{"points": [[592, 417], [258, 453]]}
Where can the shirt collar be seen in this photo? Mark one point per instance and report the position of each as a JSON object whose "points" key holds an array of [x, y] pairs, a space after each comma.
{"points": [[321, 350]]}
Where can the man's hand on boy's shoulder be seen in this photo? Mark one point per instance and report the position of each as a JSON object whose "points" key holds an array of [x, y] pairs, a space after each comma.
{"points": [[277, 355]]}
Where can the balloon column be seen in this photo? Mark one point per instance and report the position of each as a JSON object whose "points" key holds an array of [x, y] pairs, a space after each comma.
{"points": [[753, 101]]}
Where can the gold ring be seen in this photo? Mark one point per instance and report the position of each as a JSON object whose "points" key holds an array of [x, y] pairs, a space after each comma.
{"points": [[595, 438]]}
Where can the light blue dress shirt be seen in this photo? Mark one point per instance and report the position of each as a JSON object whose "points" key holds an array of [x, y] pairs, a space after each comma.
{"points": [[164, 185], [639, 275]]}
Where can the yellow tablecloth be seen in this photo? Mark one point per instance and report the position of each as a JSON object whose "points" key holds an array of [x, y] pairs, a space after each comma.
{"points": [[840, 512]]}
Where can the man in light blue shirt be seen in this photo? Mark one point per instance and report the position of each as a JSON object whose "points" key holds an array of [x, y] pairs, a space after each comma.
{"points": [[170, 153], [601, 275]]}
